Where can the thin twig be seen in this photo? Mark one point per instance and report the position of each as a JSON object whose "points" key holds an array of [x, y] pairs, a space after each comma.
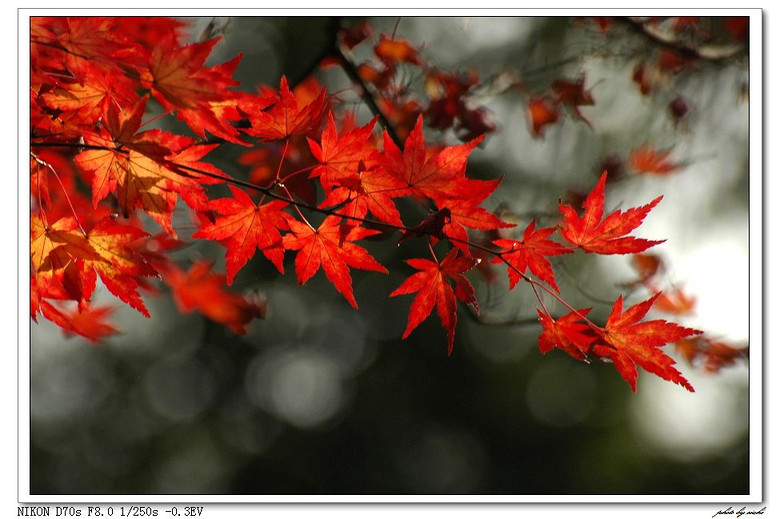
{"points": [[367, 95]]}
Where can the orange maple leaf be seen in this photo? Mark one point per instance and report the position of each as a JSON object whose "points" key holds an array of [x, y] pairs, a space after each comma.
{"points": [[651, 161], [396, 49], [542, 111]]}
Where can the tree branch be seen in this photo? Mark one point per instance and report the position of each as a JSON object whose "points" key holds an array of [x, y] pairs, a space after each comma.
{"points": [[367, 96], [668, 39]]}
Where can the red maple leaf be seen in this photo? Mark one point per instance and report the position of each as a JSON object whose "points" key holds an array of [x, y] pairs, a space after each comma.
{"points": [[89, 322], [56, 254], [607, 236], [567, 333], [244, 227], [715, 354], [629, 342], [285, 118], [436, 176], [434, 289], [179, 80], [203, 290], [332, 247], [368, 190], [78, 42], [88, 96], [531, 252], [134, 166], [464, 211], [340, 155]]}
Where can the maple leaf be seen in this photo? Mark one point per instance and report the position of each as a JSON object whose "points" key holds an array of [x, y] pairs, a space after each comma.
{"points": [[244, 227], [187, 163], [434, 289], [435, 176], [215, 115], [44, 238], [447, 91], [647, 266], [574, 95], [339, 156], [675, 302], [651, 161], [199, 95], [71, 259], [134, 166], [542, 111], [368, 190], [716, 354], [89, 95], [203, 290], [531, 252], [567, 333], [355, 35], [464, 211], [607, 236], [119, 264], [629, 342], [78, 42], [396, 49], [178, 78], [331, 247], [285, 118], [88, 322]]}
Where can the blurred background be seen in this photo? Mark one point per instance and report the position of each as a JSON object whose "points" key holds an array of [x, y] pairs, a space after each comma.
{"points": [[321, 399]]}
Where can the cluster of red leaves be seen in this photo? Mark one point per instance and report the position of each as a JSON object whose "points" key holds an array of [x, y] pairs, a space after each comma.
{"points": [[86, 75], [448, 102], [713, 353], [92, 82], [625, 340], [687, 41], [674, 46]]}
